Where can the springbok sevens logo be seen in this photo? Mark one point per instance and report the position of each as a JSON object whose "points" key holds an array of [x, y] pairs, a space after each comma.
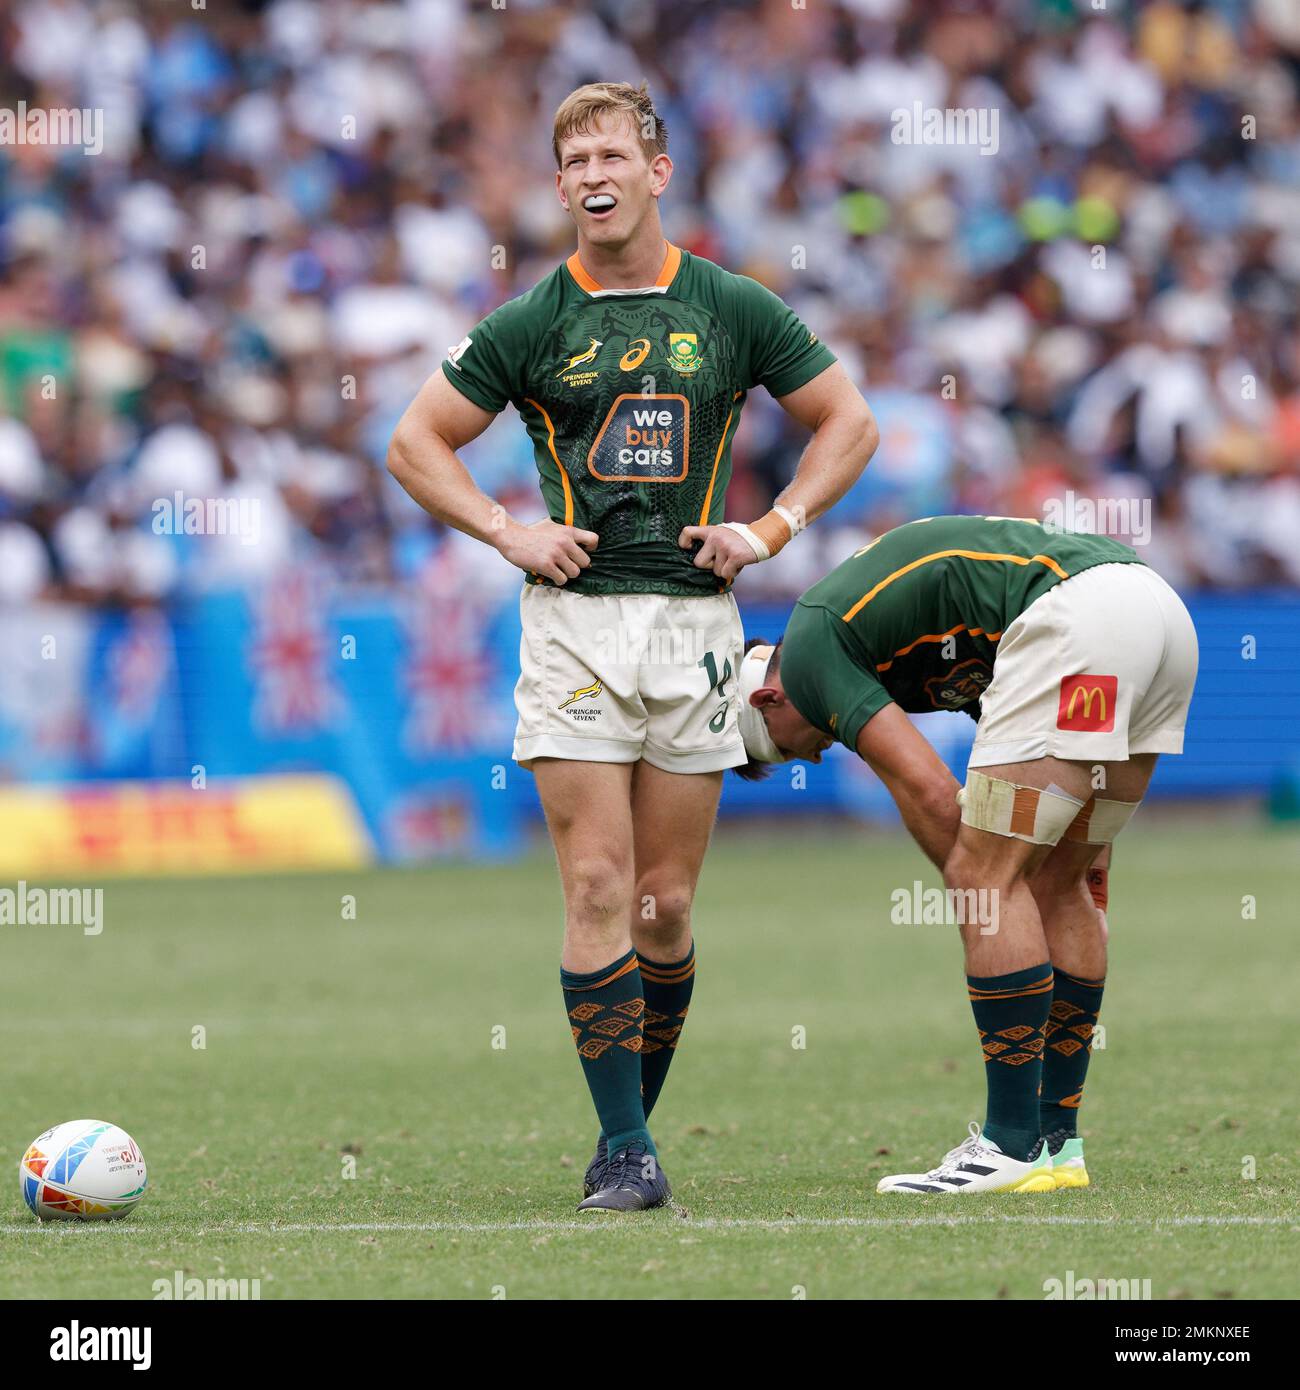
{"points": [[1088, 703], [588, 692], [582, 358]]}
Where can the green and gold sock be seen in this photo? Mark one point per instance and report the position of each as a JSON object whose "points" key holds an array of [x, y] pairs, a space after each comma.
{"points": [[667, 1001], [607, 1014], [1011, 1014], [1076, 1003]]}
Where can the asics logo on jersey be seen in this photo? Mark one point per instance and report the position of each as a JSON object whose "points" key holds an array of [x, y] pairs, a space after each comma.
{"points": [[582, 358], [587, 692], [637, 352]]}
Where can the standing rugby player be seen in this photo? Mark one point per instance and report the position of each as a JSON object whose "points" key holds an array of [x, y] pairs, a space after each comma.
{"points": [[1078, 663], [629, 365]]}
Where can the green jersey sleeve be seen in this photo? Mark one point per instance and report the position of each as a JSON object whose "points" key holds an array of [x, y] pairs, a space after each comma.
{"points": [[487, 365], [824, 679], [784, 353]]}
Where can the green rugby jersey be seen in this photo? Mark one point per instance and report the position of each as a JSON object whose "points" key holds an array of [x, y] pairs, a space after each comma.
{"points": [[914, 618], [632, 399]]}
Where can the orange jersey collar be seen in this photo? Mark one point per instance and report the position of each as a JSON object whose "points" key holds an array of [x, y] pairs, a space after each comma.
{"points": [[667, 272]]}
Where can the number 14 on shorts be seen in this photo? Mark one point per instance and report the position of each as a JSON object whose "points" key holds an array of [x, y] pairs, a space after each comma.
{"points": [[708, 663]]}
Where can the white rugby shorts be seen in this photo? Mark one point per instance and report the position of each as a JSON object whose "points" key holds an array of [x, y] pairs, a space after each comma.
{"points": [[1100, 668], [614, 678]]}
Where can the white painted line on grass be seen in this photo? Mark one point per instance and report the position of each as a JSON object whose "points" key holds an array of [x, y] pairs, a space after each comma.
{"points": [[704, 1223]]}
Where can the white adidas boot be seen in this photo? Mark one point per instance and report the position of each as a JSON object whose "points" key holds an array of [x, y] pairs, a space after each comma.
{"points": [[978, 1165]]}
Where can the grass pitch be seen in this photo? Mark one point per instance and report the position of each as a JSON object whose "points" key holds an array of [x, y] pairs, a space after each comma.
{"points": [[333, 1044]]}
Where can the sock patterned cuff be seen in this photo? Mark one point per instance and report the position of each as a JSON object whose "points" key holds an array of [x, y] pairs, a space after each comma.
{"points": [[1079, 980], [598, 979], [1037, 979], [674, 973]]}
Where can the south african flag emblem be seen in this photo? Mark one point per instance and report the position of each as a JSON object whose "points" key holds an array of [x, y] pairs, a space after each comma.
{"points": [[684, 352]]}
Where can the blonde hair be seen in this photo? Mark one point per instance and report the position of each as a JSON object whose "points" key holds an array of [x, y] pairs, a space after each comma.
{"points": [[579, 110]]}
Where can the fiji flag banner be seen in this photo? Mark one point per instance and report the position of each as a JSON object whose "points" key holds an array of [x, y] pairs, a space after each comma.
{"points": [[407, 698]]}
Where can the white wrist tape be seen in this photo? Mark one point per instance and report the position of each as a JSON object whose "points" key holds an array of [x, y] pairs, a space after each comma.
{"points": [[769, 526], [760, 550]]}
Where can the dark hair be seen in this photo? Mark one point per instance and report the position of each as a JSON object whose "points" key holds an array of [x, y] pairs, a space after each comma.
{"points": [[753, 770]]}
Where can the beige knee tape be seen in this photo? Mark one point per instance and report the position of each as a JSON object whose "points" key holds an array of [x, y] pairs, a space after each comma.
{"points": [[1039, 815], [1100, 821]]}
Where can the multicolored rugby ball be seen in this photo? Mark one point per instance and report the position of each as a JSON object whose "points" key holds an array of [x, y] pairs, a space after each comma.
{"points": [[84, 1170]]}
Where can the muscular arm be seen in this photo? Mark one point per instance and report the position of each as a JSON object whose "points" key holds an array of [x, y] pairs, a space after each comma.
{"points": [[926, 793], [422, 457], [921, 785], [844, 438]]}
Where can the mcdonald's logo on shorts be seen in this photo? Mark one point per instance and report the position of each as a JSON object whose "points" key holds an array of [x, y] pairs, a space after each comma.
{"points": [[1088, 704]]}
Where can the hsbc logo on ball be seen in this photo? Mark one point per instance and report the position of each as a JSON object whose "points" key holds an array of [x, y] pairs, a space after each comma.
{"points": [[128, 1156], [1088, 704]]}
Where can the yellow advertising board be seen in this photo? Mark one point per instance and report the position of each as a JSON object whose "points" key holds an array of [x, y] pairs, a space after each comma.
{"points": [[235, 825]]}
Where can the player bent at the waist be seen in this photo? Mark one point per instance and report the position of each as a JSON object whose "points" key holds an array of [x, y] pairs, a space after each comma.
{"points": [[1033, 840], [1035, 973], [1077, 662]]}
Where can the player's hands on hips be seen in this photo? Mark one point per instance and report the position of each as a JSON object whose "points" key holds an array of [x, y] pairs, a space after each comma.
{"points": [[548, 548], [724, 551]]}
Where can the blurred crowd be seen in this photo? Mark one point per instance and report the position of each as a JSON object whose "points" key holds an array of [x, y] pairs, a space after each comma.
{"points": [[299, 206]]}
